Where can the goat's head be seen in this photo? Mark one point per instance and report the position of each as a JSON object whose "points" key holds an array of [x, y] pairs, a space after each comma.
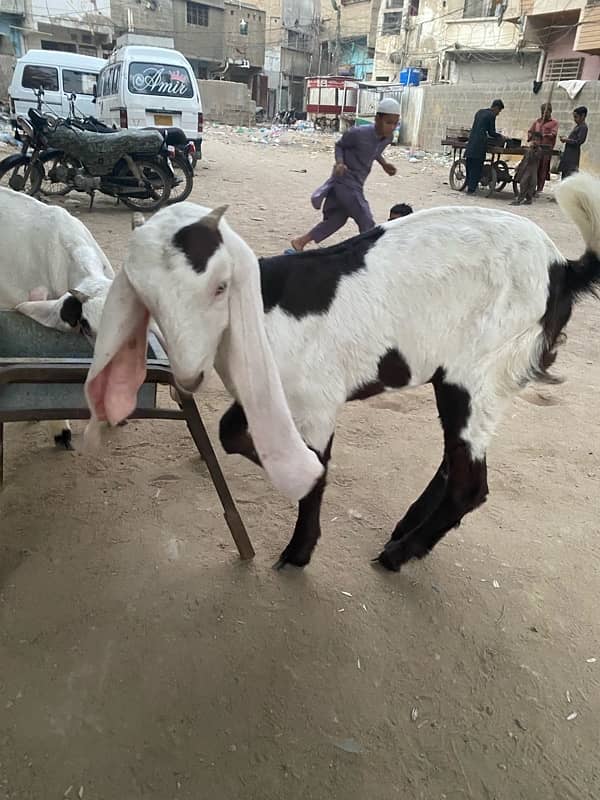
{"points": [[78, 310], [200, 283]]}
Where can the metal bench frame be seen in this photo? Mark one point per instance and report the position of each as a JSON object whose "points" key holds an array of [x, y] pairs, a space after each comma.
{"points": [[71, 370]]}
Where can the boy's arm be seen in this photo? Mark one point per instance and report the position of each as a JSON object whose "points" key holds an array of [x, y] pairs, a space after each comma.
{"points": [[345, 142]]}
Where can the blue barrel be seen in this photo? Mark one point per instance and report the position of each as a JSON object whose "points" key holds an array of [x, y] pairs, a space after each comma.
{"points": [[410, 76]]}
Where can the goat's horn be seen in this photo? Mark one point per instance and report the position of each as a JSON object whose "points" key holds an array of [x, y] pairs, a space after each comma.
{"points": [[137, 220], [212, 220]]}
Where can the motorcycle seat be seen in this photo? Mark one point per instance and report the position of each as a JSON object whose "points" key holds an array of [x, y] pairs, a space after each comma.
{"points": [[99, 151]]}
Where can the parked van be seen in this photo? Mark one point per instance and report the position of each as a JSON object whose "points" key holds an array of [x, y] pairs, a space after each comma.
{"points": [[143, 87], [60, 74]]}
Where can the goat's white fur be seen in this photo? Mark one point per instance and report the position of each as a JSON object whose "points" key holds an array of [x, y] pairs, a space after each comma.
{"points": [[462, 289], [46, 254]]}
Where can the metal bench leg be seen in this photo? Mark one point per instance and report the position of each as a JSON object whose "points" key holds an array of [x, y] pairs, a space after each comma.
{"points": [[205, 448]]}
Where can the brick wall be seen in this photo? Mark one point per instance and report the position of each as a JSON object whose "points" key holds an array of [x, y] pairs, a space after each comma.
{"points": [[430, 109], [227, 102]]}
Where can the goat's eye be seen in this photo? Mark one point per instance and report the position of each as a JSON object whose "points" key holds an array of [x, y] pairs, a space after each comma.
{"points": [[221, 288]]}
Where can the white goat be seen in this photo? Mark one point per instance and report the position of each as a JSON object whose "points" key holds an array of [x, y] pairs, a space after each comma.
{"points": [[52, 270], [468, 299]]}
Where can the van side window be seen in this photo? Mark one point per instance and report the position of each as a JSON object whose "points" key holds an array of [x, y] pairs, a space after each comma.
{"points": [[78, 82], [34, 77], [116, 74]]}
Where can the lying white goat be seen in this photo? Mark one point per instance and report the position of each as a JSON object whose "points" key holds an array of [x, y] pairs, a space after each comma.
{"points": [[52, 270], [471, 300]]}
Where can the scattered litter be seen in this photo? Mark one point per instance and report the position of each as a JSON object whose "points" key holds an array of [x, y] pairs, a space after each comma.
{"points": [[495, 584], [348, 746], [335, 519], [414, 714], [358, 663], [340, 610], [591, 660], [568, 694], [354, 514], [346, 594], [364, 606], [80, 793], [520, 725], [572, 716], [298, 170], [257, 219], [68, 791]]}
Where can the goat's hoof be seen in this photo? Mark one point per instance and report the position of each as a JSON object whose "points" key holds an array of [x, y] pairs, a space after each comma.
{"points": [[63, 439], [385, 560], [294, 559]]}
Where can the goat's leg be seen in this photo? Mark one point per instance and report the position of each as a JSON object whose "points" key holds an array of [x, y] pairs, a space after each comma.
{"points": [[61, 431], [308, 525], [234, 435], [468, 425], [425, 504]]}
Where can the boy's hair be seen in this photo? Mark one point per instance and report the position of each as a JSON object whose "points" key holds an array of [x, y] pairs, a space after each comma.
{"points": [[400, 210], [581, 110]]}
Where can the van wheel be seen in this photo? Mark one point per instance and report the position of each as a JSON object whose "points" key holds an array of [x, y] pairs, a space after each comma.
{"points": [[157, 186], [184, 180]]}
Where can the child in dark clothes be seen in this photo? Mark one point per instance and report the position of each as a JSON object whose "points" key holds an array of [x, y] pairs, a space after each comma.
{"points": [[400, 210], [527, 171]]}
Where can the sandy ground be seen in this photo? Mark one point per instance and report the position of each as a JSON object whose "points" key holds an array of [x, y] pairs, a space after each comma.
{"points": [[140, 659]]}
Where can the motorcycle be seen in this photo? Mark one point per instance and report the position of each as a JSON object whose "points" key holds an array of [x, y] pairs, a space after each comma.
{"points": [[181, 151], [133, 166]]}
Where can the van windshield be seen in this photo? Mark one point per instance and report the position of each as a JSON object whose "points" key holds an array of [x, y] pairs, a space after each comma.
{"points": [[160, 80]]}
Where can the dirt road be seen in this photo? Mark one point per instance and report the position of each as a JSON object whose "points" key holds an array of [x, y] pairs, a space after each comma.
{"points": [[140, 659]]}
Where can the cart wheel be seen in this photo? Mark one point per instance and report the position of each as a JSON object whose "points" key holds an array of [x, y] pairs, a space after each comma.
{"points": [[458, 175], [502, 175]]}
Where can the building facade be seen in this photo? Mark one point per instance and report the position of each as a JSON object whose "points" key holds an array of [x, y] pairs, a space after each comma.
{"points": [[291, 50], [482, 41], [348, 36]]}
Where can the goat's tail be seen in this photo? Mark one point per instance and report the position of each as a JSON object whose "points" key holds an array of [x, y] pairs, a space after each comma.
{"points": [[579, 199]]}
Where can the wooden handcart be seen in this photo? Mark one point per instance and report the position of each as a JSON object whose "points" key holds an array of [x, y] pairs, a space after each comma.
{"points": [[496, 173]]}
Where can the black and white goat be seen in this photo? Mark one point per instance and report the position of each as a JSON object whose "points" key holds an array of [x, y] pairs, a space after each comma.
{"points": [[52, 270], [470, 300]]}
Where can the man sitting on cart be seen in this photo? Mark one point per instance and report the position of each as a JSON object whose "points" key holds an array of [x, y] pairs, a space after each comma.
{"points": [[483, 133]]}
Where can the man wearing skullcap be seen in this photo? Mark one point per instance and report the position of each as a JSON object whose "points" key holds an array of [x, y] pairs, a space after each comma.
{"points": [[342, 195]]}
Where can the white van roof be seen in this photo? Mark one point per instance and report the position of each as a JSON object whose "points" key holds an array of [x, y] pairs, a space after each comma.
{"points": [[60, 58], [135, 52]]}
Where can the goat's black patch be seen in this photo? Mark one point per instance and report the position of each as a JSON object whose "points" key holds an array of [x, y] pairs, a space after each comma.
{"points": [[199, 242], [454, 406], [568, 282], [392, 373], [70, 311], [306, 283]]}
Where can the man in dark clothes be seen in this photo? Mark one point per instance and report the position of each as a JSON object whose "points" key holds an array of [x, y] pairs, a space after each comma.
{"points": [[482, 130], [569, 163]]}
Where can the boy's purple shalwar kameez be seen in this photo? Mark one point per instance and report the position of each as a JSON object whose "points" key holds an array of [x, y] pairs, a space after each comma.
{"points": [[344, 196]]}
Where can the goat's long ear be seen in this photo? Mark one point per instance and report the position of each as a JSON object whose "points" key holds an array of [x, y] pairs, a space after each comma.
{"points": [[46, 312], [118, 368], [249, 370]]}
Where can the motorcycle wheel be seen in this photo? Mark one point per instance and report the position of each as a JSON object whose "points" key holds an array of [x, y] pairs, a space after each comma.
{"points": [[160, 180], [52, 188], [13, 176], [184, 174]]}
